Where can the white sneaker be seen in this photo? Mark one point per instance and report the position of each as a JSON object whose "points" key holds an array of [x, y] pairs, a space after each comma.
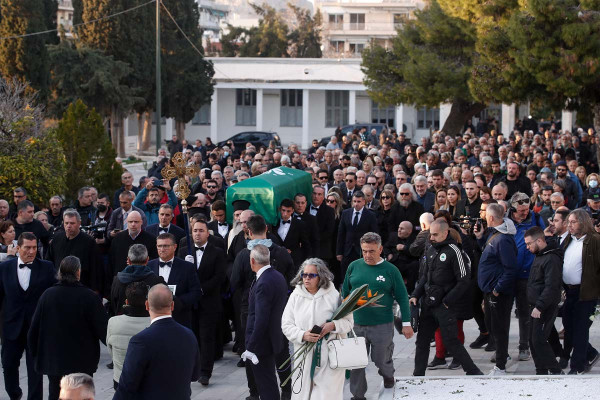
{"points": [[497, 372]]}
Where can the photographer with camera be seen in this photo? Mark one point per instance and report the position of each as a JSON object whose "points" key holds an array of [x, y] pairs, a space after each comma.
{"points": [[72, 241], [593, 208], [444, 282]]}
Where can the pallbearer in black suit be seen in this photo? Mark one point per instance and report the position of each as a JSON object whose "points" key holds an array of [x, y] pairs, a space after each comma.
{"points": [[165, 217], [301, 212], [180, 276], [219, 225], [326, 224], [22, 282], [292, 233], [354, 223], [210, 267], [264, 338]]}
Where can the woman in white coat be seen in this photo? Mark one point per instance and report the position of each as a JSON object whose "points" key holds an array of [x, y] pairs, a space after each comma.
{"points": [[313, 302]]}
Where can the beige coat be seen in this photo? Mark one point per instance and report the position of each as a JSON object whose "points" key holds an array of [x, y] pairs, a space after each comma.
{"points": [[118, 333], [302, 312]]}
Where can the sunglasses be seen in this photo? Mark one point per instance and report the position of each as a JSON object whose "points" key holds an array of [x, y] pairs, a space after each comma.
{"points": [[348, 180], [322, 178], [309, 276], [211, 187], [385, 197], [330, 201], [404, 194], [522, 202], [561, 169]]}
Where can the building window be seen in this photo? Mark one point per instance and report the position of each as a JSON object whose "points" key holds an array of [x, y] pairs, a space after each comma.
{"points": [[245, 110], [382, 114], [163, 120], [336, 22], [337, 46], [202, 116], [356, 48], [400, 19], [357, 22], [428, 118], [336, 108], [291, 107]]}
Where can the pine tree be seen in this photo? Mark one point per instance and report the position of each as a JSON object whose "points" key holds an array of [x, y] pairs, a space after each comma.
{"points": [[305, 40], [430, 62], [49, 12], [24, 58]]}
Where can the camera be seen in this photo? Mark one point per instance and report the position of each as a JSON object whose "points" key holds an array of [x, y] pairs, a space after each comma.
{"points": [[97, 231], [469, 224]]}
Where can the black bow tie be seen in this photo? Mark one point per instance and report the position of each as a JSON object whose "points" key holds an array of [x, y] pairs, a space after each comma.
{"points": [[25, 265], [286, 222], [314, 208], [199, 248], [164, 264], [222, 223]]}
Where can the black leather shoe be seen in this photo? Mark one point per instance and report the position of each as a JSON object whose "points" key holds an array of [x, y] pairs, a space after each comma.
{"points": [[252, 397], [241, 363], [286, 395], [481, 341], [110, 365], [389, 383], [204, 380]]}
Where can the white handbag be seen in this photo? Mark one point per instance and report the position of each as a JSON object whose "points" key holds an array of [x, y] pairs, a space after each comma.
{"points": [[348, 353]]}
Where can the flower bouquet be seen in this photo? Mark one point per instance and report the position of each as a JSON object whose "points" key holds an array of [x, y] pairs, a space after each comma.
{"points": [[359, 298]]}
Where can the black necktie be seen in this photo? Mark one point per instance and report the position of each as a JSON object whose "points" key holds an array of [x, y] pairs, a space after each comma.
{"points": [[25, 265], [164, 264], [349, 194], [199, 248], [314, 208], [286, 222], [355, 222], [223, 224]]}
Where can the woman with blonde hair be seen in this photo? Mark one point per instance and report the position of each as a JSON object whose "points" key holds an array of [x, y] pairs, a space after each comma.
{"points": [[441, 200]]}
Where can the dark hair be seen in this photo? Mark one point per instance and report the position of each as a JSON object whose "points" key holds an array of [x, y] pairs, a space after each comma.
{"points": [[69, 266], [445, 214], [256, 224], [200, 220], [358, 194], [20, 190], [26, 236], [153, 189], [534, 232], [212, 181], [438, 173], [104, 196], [299, 195], [136, 293], [351, 174], [167, 235], [4, 227], [23, 205], [287, 203], [219, 205]]}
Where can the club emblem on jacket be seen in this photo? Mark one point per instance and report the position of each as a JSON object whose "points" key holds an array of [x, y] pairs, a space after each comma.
{"points": [[380, 278]]}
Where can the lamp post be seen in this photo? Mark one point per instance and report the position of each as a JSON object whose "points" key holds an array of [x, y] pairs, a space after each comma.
{"points": [[158, 111]]}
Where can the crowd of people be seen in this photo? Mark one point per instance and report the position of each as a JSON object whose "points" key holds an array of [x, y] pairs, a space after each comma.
{"points": [[450, 229]]}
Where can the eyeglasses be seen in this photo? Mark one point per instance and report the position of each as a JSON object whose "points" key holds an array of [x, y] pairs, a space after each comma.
{"points": [[404, 194], [330, 201], [385, 197], [561, 169], [211, 187], [521, 202], [349, 180], [309, 276]]}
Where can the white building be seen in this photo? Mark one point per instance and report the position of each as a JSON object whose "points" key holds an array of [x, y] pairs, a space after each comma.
{"points": [[351, 25], [212, 19], [64, 16], [303, 99]]}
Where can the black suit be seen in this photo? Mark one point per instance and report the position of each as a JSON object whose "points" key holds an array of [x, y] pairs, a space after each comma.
{"points": [[326, 225], [205, 317], [120, 247], [161, 362], [214, 227], [296, 240], [187, 290], [19, 307], [176, 231], [347, 199], [264, 337], [314, 235], [348, 239]]}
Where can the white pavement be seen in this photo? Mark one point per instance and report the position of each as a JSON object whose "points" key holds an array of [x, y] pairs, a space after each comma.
{"points": [[229, 382]]}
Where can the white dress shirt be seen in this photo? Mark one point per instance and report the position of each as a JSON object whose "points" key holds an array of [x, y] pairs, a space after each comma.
{"points": [[159, 318], [163, 229], [314, 210], [354, 215], [166, 270], [260, 271], [572, 266], [284, 229], [223, 229], [561, 238], [24, 274], [199, 254]]}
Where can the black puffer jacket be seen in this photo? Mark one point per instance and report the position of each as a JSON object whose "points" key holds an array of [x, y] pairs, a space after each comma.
{"points": [[545, 278], [448, 269]]}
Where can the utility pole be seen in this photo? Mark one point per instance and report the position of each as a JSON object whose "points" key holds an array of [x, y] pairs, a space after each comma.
{"points": [[158, 111]]}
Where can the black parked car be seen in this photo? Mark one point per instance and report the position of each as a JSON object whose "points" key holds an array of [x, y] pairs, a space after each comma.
{"points": [[257, 138], [346, 129]]}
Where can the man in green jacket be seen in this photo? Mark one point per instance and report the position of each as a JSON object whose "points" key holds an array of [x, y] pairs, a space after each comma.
{"points": [[376, 325]]}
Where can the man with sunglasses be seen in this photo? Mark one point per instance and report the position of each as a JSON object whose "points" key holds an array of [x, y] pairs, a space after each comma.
{"points": [[523, 219], [323, 178], [571, 192], [212, 191], [348, 188]]}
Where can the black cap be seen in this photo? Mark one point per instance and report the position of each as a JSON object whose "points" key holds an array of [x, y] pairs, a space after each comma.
{"points": [[190, 200], [240, 205], [594, 195]]}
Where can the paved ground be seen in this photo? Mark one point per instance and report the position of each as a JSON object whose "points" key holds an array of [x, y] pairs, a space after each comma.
{"points": [[229, 382]]}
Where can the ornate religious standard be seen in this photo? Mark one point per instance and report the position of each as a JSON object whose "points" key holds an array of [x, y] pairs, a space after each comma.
{"points": [[177, 168]]}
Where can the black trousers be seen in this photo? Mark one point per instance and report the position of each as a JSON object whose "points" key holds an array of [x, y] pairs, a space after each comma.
{"points": [[543, 355], [206, 334], [500, 308], [12, 351], [239, 340], [576, 319], [264, 373], [347, 260], [429, 320], [523, 313], [477, 300]]}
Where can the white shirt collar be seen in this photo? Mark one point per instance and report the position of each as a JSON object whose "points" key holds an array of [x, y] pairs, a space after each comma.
{"points": [[359, 211], [159, 318], [578, 240], [171, 260], [163, 227], [260, 271], [19, 261]]}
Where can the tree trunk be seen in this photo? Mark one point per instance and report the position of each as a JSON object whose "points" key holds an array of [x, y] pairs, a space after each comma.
{"points": [[596, 112], [121, 124], [147, 133], [114, 128], [460, 112], [180, 130], [140, 123]]}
